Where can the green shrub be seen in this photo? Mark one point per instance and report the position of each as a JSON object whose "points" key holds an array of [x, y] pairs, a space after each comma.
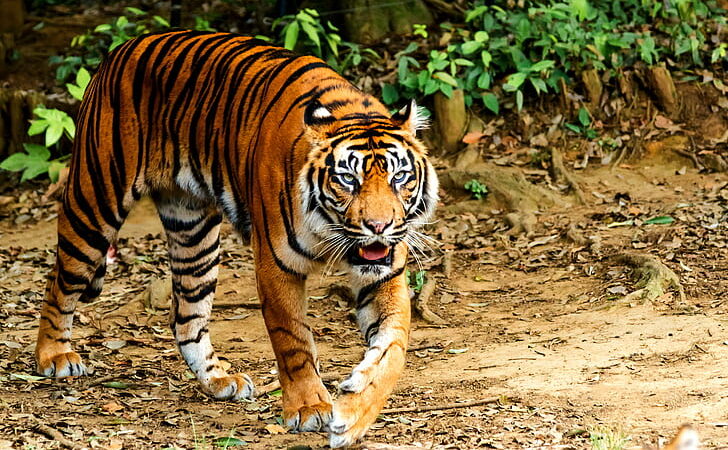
{"points": [[54, 124], [304, 32], [505, 52], [88, 50]]}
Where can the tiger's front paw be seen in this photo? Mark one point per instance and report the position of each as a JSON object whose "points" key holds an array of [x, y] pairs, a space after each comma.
{"points": [[232, 387], [309, 418], [61, 365], [352, 416]]}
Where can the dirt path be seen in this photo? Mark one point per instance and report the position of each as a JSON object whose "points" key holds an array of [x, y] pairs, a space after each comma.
{"points": [[538, 321]]}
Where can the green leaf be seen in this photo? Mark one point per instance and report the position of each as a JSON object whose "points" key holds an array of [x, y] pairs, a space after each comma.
{"points": [[53, 133], [431, 86], [83, 78], [519, 100], [276, 393], [229, 442], [36, 151], [389, 94], [37, 127], [515, 81], [481, 36], [134, 11], [75, 91], [659, 220], [25, 377], [446, 89], [463, 62], [291, 38], [491, 102], [102, 28], [572, 127], [37, 167], [484, 80], [15, 162], [446, 77], [584, 117], [542, 65], [162, 22], [471, 47], [486, 57], [313, 35], [538, 84]]}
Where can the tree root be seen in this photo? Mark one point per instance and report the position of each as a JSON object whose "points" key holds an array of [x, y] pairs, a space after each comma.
{"points": [[509, 189], [421, 307], [52, 433], [421, 409], [560, 173], [654, 277]]}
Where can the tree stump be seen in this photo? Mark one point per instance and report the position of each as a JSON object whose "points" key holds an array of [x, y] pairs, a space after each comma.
{"points": [[594, 88], [451, 120], [663, 87], [16, 111], [12, 16]]}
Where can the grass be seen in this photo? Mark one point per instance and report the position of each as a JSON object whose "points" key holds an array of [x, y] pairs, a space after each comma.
{"points": [[605, 438]]}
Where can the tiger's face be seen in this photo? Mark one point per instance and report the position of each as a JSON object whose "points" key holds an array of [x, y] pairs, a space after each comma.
{"points": [[367, 187]]}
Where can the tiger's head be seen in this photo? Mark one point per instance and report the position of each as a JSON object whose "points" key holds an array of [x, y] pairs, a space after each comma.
{"points": [[367, 184]]}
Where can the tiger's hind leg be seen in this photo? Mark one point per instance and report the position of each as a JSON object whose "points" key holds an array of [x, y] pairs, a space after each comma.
{"points": [[193, 230], [86, 225]]}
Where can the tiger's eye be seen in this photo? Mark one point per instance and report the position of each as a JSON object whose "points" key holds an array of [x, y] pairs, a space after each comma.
{"points": [[400, 176], [347, 178]]}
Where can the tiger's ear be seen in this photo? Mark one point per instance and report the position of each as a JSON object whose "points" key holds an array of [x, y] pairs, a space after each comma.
{"points": [[411, 118], [317, 119]]}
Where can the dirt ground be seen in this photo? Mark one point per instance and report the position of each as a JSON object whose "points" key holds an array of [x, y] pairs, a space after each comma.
{"points": [[542, 325], [538, 323]]}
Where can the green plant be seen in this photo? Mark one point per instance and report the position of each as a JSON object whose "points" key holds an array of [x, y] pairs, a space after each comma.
{"points": [[477, 189], [504, 54], [305, 33], [88, 50], [584, 127], [419, 29], [314, 32], [416, 280], [603, 438], [54, 124], [35, 161], [82, 79]]}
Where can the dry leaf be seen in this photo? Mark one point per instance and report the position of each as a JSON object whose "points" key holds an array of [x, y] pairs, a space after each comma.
{"points": [[473, 137], [274, 428]]}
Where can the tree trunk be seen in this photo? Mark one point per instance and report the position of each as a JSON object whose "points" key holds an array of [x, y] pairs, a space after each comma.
{"points": [[368, 21], [12, 16]]}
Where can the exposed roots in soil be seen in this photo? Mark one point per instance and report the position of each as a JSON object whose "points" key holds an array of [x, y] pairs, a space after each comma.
{"points": [[561, 174], [653, 277], [420, 304], [510, 188]]}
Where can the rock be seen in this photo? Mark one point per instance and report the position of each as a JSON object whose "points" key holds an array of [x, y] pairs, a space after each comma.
{"points": [[158, 294]]}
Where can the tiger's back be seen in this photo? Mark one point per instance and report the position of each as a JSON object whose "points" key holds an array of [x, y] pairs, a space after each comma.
{"points": [[312, 169]]}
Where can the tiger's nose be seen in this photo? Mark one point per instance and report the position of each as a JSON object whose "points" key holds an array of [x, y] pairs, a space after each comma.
{"points": [[377, 226]]}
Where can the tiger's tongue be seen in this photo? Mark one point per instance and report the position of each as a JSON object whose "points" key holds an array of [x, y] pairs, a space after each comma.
{"points": [[373, 252]]}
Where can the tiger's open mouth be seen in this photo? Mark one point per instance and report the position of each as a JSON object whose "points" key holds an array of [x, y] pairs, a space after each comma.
{"points": [[376, 253]]}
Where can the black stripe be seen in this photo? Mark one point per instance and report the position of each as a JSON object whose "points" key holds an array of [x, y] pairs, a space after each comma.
{"points": [[364, 298], [195, 340]]}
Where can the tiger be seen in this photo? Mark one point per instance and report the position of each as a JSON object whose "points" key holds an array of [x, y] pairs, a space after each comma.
{"points": [[312, 172]]}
